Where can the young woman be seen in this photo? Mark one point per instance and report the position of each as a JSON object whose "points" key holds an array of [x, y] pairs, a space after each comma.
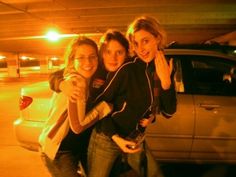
{"points": [[114, 49], [61, 145], [135, 92]]}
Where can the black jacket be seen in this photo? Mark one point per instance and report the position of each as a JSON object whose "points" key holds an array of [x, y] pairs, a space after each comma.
{"points": [[130, 90]]}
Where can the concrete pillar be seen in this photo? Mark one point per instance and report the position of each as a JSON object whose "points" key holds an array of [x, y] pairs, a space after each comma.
{"points": [[13, 65], [44, 64]]}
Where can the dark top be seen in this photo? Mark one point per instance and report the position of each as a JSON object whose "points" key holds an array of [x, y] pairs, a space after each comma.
{"points": [[130, 90]]}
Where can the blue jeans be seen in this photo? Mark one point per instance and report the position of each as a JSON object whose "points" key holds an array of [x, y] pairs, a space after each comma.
{"points": [[103, 152], [144, 163], [65, 164]]}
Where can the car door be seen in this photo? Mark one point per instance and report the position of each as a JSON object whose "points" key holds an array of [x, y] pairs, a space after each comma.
{"points": [[171, 139], [214, 90]]}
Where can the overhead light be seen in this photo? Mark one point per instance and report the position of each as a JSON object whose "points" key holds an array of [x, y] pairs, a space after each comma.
{"points": [[54, 58], [53, 35], [2, 57], [23, 57]]}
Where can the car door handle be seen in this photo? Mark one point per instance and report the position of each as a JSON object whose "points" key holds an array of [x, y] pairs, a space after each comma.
{"points": [[209, 107]]}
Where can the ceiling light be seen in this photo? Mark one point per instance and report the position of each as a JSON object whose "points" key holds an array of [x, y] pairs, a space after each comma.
{"points": [[2, 57], [53, 35]]}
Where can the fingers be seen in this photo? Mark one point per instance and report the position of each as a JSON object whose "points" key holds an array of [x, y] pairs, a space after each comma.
{"points": [[130, 147], [131, 151], [144, 122], [171, 65]]}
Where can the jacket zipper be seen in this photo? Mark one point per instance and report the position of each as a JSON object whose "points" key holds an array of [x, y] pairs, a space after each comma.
{"points": [[150, 89]]}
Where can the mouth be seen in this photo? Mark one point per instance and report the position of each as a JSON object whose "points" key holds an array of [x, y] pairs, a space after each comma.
{"points": [[88, 68], [113, 64], [144, 55]]}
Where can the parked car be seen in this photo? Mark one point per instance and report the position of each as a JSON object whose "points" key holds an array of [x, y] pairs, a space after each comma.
{"points": [[202, 129]]}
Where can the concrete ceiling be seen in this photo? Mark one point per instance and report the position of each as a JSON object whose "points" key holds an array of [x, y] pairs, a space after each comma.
{"points": [[24, 22]]}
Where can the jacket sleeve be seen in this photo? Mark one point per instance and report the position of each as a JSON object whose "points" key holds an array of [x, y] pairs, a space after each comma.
{"points": [[55, 79], [167, 100], [114, 86], [78, 119]]}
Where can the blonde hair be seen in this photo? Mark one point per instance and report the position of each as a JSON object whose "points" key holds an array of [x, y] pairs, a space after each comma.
{"points": [[150, 25], [69, 56]]}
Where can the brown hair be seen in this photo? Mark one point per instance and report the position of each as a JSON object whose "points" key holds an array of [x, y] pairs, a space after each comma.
{"points": [[116, 35]]}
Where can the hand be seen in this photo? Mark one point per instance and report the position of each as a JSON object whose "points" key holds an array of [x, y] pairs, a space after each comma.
{"points": [[146, 121], [123, 144], [72, 90], [163, 69]]}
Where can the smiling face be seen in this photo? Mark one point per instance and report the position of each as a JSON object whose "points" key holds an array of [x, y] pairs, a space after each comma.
{"points": [[145, 45], [114, 55], [86, 60]]}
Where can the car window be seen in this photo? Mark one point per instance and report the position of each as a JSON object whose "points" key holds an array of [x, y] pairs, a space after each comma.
{"points": [[178, 74], [213, 76], [178, 77]]}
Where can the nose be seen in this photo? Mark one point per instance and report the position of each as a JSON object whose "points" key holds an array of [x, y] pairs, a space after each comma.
{"points": [[113, 56], [87, 61], [140, 48]]}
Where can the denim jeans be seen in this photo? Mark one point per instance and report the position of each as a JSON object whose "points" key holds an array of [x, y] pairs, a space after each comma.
{"points": [[64, 165], [144, 163], [103, 152]]}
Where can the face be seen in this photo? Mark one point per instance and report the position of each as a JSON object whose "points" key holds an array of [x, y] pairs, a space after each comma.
{"points": [[113, 56], [145, 45], [86, 60]]}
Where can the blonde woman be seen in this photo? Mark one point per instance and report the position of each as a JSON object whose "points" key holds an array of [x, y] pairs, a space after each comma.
{"points": [[64, 138]]}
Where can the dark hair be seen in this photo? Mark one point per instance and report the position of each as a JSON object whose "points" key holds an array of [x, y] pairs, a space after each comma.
{"points": [[71, 50], [116, 35], [150, 25]]}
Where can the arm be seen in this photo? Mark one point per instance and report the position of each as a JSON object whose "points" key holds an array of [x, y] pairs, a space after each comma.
{"points": [[76, 110], [163, 69], [168, 100], [59, 83], [167, 95]]}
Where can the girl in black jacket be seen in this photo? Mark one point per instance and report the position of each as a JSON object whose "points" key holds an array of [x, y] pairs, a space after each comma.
{"points": [[140, 88]]}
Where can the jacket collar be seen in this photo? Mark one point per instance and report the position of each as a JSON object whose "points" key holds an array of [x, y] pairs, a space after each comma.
{"points": [[150, 66]]}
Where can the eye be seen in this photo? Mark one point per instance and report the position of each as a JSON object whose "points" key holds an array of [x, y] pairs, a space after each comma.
{"points": [[80, 58], [108, 52], [145, 41], [120, 52], [93, 57]]}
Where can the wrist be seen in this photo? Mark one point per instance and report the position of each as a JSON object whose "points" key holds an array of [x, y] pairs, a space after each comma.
{"points": [[115, 137], [166, 84]]}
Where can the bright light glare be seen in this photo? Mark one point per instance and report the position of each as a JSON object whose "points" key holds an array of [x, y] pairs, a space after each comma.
{"points": [[54, 58], [52, 35], [23, 58], [2, 57]]}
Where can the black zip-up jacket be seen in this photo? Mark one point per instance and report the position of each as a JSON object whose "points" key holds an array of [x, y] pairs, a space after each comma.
{"points": [[130, 90]]}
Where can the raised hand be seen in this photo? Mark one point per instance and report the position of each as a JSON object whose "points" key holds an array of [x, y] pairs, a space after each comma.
{"points": [[163, 69]]}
